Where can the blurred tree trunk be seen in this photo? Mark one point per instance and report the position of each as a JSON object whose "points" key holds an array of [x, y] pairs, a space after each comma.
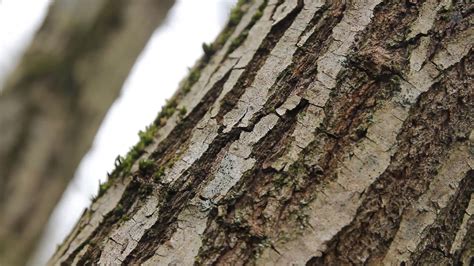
{"points": [[311, 132], [54, 102]]}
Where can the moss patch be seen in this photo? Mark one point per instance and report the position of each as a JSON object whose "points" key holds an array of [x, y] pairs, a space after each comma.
{"points": [[243, 36], [145, 166], [123, 164], [236, 15]]}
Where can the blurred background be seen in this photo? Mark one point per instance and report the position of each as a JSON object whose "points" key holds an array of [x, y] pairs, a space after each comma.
{"points": [[173, 48]]}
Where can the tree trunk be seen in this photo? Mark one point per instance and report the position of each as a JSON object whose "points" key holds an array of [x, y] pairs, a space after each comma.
{"points": [[311, 132], [54, 102]]}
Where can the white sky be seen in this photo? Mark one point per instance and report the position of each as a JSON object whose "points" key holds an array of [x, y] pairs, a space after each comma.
{"points": [[154, 78], [17, 25]]}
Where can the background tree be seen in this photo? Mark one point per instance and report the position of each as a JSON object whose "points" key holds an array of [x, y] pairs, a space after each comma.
{"points": [[54, 102]]}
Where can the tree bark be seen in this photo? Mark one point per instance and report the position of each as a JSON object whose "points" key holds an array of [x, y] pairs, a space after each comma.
{"points": [[54, 102], [316, 132]]}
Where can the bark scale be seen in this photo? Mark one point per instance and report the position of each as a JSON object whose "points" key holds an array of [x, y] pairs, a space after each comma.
{"points": [[53, 104], [318, 132]]}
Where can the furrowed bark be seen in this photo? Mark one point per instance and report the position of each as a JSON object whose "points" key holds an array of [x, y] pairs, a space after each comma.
{"points": [[320, 132], [54, 102]]}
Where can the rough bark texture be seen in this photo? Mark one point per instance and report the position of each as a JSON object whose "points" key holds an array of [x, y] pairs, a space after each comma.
{"points": [[319, 132], [54, 103]]}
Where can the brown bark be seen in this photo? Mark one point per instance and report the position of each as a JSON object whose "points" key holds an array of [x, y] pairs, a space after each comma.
{"points": [[52, 106], [320, 132]]}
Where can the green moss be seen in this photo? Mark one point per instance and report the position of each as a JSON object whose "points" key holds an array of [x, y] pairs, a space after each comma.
{"points": [[159, 174], [145, 165], [222, 38], [166, 112], [207, 49], [161, 170], [258, 14], [294, 178], [238, 41], [125, 218], [124, 164], [119, 209], [145, 189], [169, 109], [236, 13], [146, 137], [103, 187], [193, 77], [243, 36], [297, 169], [182, 112], [395, 80]]}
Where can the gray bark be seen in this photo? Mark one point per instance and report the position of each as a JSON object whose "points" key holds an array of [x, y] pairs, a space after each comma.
{"points": [[54, 102], [318, 132]]}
